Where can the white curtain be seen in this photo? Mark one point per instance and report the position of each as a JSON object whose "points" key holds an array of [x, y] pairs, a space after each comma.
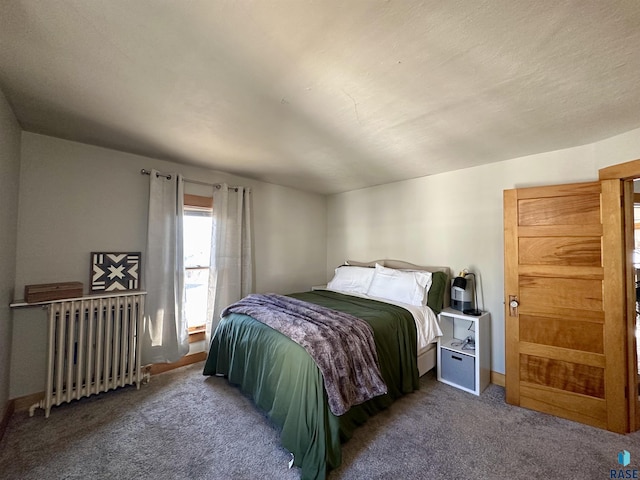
{"points": [[231, 272], [165, 337]]}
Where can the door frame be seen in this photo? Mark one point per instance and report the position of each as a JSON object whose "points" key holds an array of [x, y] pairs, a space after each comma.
{"points": [[615, 304], [617, 211]]}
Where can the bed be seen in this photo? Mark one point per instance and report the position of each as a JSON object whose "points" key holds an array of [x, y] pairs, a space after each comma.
{"points": [[286, 383]]}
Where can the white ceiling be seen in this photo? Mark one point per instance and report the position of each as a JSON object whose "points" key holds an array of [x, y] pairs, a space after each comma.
{"points": [[326, 96]]}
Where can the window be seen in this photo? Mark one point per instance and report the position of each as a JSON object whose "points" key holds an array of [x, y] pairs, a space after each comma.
{"points": [[197, 250]]}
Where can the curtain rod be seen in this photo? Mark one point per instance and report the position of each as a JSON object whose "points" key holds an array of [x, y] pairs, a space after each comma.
{"points": [[148, 172], [168, 177]]}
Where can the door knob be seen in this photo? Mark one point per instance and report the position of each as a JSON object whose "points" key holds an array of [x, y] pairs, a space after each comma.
{"points": [[513, 305]]}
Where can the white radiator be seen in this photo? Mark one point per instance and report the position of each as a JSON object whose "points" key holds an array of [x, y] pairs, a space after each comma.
{"points": [[93, 347]]}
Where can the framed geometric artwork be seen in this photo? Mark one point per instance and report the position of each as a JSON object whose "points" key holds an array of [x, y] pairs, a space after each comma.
{"points": [[115, 271]]}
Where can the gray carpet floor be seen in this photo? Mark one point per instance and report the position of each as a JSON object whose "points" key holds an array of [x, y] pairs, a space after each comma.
{"points": [[183, 425]]}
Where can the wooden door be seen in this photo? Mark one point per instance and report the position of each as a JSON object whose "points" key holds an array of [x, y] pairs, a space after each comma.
{"points": [[565, 324]]}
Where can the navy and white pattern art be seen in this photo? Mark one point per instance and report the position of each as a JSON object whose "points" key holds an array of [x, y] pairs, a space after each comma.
{"points": [[112, 272]]}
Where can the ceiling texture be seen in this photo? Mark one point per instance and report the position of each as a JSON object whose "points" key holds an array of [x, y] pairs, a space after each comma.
{"points": [[326, 96]]}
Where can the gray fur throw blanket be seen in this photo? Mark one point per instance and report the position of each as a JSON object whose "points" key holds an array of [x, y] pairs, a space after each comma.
{"points": [[341, 345]]}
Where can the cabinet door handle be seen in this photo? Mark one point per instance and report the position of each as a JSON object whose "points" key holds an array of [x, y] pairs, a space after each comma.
{"points": [[456, 358]]}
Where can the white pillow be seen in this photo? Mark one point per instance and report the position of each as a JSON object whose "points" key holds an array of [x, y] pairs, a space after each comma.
{"points": [[352, 279], [400, 285]]}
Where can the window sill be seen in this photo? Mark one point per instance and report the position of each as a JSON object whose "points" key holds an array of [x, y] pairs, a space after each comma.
{"points": [[198, 334]]}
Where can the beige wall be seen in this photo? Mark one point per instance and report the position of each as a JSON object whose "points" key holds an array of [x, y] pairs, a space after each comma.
{"points": [[455, 219], [77, 198], [9, 178]]}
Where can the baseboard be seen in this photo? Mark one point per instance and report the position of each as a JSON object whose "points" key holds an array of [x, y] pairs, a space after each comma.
{"points": [[497, 378], [22, 404], [157, 368], [6, 416]]}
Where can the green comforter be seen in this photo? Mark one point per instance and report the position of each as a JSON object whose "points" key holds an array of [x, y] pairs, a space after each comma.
{"points": [[285, 382]]}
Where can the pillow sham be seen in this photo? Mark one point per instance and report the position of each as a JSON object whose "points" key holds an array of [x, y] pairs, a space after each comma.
{"points": [[435, 296], [351, 279], [400, 286]]}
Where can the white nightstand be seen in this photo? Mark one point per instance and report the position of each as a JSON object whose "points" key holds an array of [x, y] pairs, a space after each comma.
{"points": [[466, 369]]}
